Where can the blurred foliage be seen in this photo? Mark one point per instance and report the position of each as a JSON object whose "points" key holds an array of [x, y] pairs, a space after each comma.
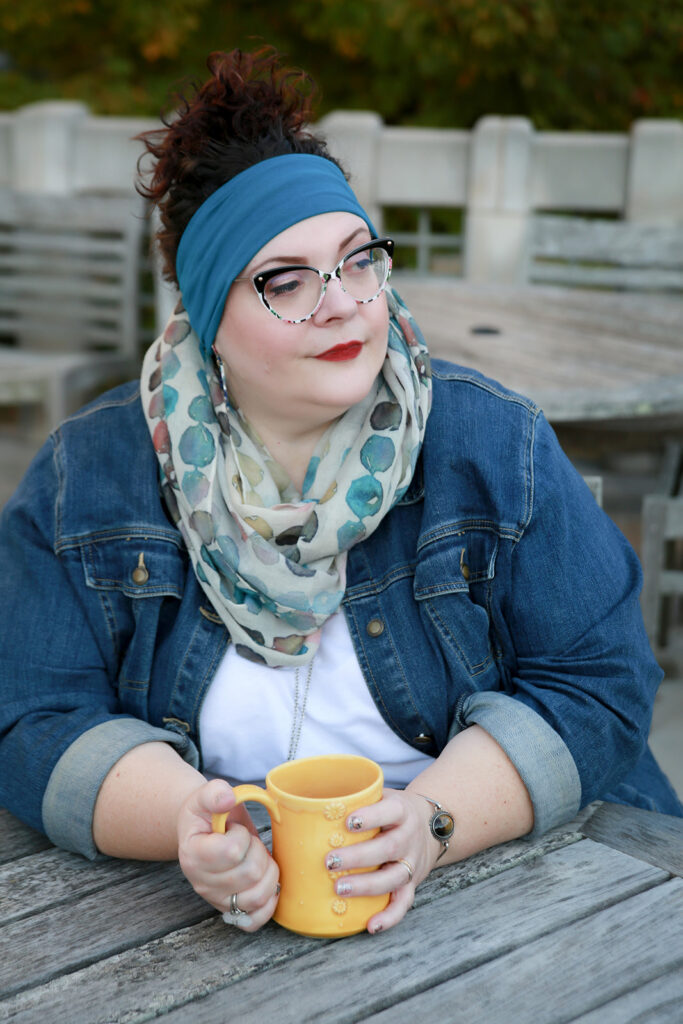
{"points": [[563, 63]]}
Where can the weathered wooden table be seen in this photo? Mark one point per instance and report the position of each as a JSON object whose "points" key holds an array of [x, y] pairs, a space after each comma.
{"points": [[583, 356], [585, 924]]}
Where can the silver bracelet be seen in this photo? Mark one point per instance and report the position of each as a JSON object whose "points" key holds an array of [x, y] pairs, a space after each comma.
{"points": [[441, 824]]}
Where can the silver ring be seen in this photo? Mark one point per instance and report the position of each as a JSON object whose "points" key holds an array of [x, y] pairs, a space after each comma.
{"points": [[234, 909], [408, 866]]}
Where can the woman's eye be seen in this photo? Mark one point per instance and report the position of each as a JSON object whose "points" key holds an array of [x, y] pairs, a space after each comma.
{"points": [[359, 263], [284, 285]]}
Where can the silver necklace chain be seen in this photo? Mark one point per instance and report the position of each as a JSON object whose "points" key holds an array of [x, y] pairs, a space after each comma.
{"points": [[300, 702]]}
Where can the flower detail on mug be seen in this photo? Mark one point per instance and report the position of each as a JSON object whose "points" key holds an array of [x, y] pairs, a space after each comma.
{"points": [[336, 839], [335, 810], [339, 906]]}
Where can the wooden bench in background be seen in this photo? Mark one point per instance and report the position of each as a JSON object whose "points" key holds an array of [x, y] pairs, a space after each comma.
{"points": [[69, 307], [601, 253]]}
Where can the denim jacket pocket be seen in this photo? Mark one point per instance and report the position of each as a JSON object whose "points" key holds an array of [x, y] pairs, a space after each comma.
{"points": [[137, 566], [133, 576], [452, 582]]}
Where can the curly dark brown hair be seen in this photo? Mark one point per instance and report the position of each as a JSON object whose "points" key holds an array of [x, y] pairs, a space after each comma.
{"points": [[252, 108]]}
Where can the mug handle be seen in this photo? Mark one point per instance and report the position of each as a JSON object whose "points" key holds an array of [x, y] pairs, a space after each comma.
{"points": [[242, 793]]}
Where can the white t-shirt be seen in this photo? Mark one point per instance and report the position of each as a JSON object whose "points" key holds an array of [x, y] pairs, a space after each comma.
{"points": [[255, 717]]}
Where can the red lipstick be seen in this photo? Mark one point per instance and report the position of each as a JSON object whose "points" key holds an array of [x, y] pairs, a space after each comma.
{"points": [[340, 353]]}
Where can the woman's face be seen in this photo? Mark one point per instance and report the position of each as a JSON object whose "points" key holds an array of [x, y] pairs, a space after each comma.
{"points": [[274, 369]]}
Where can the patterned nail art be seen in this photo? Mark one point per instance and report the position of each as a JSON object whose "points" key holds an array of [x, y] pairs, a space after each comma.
{"points": [[344, 888], [333, 861], [355, 823]]}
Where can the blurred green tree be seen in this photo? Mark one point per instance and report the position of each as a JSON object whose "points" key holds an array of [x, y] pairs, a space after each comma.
{"points": [[563, 63], [109, 53]]}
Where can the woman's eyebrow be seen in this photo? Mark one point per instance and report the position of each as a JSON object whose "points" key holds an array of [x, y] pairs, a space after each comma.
{"points": [[301, 260]]}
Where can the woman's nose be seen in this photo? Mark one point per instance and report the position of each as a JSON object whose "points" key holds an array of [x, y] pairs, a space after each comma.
{"points": [[336, 302]]}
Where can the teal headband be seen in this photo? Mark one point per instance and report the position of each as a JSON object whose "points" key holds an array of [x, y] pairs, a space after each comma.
{"points": [[237, 220]]}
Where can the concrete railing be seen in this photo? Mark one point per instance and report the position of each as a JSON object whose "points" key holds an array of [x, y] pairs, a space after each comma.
{"points": [[499, 174]]}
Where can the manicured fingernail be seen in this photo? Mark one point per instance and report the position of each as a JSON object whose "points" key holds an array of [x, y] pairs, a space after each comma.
{"points": [[278, 889], [376, 928], [344, 888], [355, 824], [332, 861]]}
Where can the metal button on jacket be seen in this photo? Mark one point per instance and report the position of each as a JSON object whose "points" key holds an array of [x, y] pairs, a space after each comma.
{"points": [[140, 573], [423, 739], [464, 568], [375, 627]]}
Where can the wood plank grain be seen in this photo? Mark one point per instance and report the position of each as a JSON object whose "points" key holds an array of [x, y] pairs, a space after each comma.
{"points": [[274, 975], [612, 315], [650, 279], [34, 883], [654, 405], [655, 838], [44, 880], [17, 839], [71, 934], [658, 1002], [487, 864], [568, 972], [155, 977], [627, 243], [577, 353]]}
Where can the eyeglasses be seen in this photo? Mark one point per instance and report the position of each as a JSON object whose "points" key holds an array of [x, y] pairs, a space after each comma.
{"points": [[296, 293]]}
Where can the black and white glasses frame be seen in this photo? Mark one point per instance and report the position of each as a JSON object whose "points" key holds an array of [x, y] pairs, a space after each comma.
{"points": [[260, 281]]}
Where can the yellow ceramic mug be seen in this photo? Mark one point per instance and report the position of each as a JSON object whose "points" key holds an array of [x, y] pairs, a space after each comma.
{"points": [[309, 801]]}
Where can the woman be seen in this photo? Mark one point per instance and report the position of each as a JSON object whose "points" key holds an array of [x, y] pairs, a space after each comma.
{"points": [[292, 537]]}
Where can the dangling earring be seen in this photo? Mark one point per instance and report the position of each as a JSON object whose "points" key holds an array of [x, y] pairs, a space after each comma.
{"points": [[221, 374]]}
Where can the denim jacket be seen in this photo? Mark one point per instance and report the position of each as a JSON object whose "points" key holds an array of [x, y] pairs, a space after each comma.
{"points": [[496, 592]]}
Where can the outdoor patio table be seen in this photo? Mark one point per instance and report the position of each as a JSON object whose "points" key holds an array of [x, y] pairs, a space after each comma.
{"points": [[584, 356], [584, 924]]}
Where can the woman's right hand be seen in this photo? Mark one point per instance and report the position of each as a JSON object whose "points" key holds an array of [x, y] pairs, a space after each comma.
{"points": [[218, 866]]}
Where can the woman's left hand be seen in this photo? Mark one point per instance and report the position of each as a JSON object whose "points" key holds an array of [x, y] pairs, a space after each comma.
{"points": [[404, 848]]}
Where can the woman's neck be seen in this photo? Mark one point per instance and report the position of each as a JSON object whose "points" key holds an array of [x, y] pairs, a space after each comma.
{"points": [[292, 451]]}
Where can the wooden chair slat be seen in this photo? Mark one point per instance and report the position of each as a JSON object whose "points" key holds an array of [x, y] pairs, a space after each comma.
{"points": [[600, 253]]}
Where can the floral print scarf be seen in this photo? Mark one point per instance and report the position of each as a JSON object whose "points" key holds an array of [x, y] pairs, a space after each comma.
{"points": [[272, 561]]}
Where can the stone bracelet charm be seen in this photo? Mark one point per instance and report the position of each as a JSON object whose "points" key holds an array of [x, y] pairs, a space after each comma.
{"points": [[441, 824]]}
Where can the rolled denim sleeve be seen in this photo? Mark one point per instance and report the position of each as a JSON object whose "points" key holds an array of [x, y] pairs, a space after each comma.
{"points": [[539, 754], [62, 723], [69, 801]]}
